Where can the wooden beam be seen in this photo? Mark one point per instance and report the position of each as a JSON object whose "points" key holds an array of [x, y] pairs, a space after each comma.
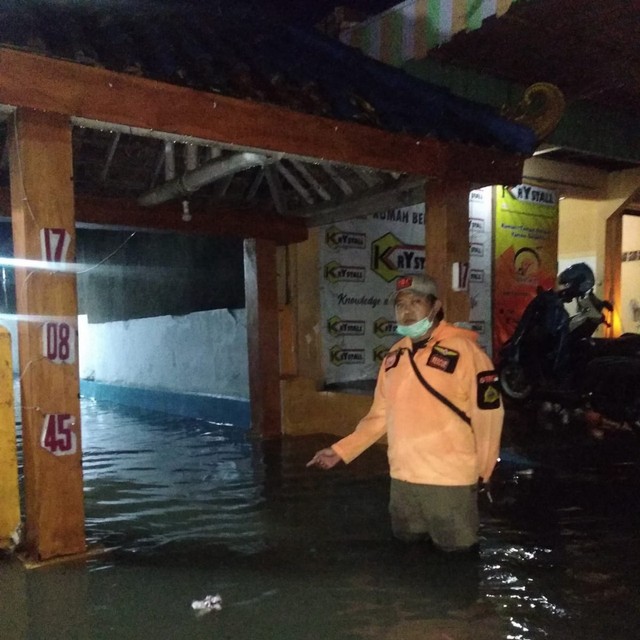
{"points": [[261, 303], [276, 190], [483, 166], [125, 214], [42, 213], [404, 194], [311, 180], [447, 241], [633, 208], [613, 270], [119, 99]]}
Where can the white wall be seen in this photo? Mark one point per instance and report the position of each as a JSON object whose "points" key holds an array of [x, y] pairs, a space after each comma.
{"points": [[630, 274], [204, 352]]}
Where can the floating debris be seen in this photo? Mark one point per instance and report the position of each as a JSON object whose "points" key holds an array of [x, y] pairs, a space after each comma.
{"points": [[210, 603]]}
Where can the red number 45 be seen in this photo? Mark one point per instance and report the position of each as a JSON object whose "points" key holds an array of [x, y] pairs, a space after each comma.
{"points": [[58, 436]]}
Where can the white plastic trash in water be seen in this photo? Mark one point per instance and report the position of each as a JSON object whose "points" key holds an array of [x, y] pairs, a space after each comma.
{"points": [[210, 603]]}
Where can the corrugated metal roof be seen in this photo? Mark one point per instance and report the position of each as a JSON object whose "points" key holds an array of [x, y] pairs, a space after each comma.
{"points": [[237, 51]]}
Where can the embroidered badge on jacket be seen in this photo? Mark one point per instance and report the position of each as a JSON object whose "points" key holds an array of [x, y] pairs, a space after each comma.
{"points": [[444, 359], [488, 390]]}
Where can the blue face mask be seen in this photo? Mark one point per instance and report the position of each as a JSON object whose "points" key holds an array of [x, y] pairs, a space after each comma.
{"points": [[415, 330]]}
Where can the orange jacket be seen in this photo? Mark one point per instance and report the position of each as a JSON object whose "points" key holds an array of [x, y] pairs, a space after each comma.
{"points": [[428, 442]]}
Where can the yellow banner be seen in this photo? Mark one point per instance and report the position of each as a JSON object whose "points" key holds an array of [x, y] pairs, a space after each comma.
{"points": [[526, 253]]}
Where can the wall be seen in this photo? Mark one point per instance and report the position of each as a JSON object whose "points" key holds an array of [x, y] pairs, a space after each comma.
{"points": [[581, 236], [304, 274], [142, 275], [588, 198], [306, 408], [583, 209], [193, 362], [630, 289], [622, 185], [203, 352], [582, 232], [193, 365], [124, 275], [570, 181]]}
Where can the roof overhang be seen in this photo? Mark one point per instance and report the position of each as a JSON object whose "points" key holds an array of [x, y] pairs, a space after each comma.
{"points": [[95, 97]]}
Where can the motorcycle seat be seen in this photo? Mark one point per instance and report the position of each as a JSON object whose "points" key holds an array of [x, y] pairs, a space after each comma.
{"points": [[627, 345]]}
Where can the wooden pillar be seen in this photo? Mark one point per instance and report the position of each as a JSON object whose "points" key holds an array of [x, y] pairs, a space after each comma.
{"points": [[261, 302], [9, 496], [44, 230], [447, 241], [613, 270]]}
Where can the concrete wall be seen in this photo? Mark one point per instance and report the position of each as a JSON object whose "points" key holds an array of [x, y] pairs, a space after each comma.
{"points": [[124, 275], [194, 365], [146, 275], [306, 408], [156, 328], [630, 280], [203, 352], [581, 234]]}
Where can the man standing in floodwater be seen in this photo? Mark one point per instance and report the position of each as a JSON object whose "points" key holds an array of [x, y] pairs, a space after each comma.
{"points": [[437, 400]]}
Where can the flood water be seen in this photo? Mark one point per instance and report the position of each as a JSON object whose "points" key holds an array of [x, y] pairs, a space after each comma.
{"points": [[189, 509]]}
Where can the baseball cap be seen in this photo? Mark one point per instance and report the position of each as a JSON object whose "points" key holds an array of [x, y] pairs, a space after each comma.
{"points": [[422, 285]]}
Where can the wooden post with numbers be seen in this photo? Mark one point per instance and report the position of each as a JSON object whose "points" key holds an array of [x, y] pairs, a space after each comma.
{"points": [[43, 223]]}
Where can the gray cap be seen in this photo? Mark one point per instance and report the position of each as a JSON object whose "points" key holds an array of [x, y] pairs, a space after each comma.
{"points": [[422, 285]]}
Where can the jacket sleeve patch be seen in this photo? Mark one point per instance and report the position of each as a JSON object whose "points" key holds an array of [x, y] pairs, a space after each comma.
{"points": [[488, 390], [444, 359]]}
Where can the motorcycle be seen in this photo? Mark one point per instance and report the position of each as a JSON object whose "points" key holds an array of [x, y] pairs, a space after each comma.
{"points": [[553, 360]]}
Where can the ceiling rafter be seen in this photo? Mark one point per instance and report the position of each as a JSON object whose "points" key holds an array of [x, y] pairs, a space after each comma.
{"points": [[306, 174], [275, 187], [294, 182], [345, 187]]}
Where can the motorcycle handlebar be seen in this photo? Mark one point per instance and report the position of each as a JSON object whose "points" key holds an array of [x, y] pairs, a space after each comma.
{"points": [[600, 304]]}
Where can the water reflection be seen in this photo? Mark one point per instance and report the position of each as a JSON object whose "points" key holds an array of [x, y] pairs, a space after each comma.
{"points": [[191, 509], [152, 479]]}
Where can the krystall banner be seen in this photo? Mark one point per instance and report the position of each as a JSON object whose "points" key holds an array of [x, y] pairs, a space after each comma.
{"points": [[360, 260], [526, 253], [480, 264]]}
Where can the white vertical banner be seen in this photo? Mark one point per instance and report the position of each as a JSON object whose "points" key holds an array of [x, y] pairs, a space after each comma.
{"points": [[480, 264], [360, 259]]}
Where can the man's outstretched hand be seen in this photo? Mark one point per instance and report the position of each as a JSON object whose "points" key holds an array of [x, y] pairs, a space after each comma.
{"points": [[325, 459]]}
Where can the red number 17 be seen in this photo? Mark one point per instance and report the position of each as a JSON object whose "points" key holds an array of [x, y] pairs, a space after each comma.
{"points": [[54, 244]]}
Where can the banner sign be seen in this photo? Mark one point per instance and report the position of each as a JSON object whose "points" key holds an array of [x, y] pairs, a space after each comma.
{"points": [[480, 273], [360, 260], [526, 253]]}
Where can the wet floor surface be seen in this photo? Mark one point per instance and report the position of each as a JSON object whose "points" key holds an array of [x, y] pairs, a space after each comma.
{"points": [[191, 509]]}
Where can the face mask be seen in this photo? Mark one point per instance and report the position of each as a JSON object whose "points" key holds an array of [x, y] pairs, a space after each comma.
{"points": [[415, 330]]}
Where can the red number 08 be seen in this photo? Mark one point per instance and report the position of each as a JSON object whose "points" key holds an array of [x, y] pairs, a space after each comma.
{"points": [[58, 436], [59, 342]]}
